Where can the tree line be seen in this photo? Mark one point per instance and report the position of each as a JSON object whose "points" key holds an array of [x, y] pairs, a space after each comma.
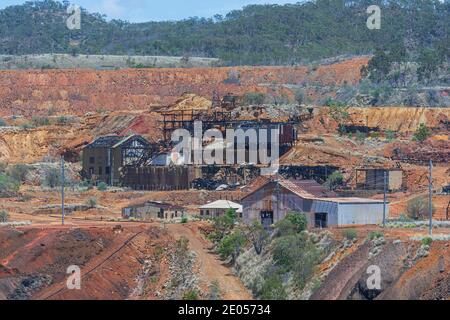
{"points": [[256, 35]]}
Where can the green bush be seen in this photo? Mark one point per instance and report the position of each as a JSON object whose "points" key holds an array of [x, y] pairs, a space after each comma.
{"points": [[40, 121], [335, 180], [360, 136], [4, 216], [273, 289], [2, 123], [3, 167], [296, 254], [8, 186], [285, 228], [27, 125], [427, 241], [390, 135], [253, 98], [102, 186], [184, 219], [231, 244], [52, 178], [350, 234], [298, 219], [223, 224], [91, 202], [190, 295], [87, 184], [375, 235], [18, 172], [64, 120], [214, 291], [422, 133]]}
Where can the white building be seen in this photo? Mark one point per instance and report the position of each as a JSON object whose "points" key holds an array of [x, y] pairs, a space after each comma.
{"points": [[220, 207]]}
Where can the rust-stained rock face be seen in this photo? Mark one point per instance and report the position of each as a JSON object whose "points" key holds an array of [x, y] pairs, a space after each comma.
{"points": [[78, 91]]}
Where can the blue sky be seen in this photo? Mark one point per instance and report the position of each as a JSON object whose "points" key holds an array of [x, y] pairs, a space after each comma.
{"points": [[157, 10]]}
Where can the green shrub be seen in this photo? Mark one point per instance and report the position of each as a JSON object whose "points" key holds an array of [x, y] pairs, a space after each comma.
{"points": [[63, 120], [285, 228], [253, 98], [427, 241], [102, 186], [40, 121], [184, 219], [350, 234], [273, 289], [422, 133], [335, 180], [52, 177], [87, 184], [4, 216], [223, 224], [27, 125], [298, 219], [190, 295], [390, 135], [18, 172], [2, 123], [214, 291], [296, 254], [375, 135], [360, 136], [3, 167], [231, 245], [8, 186], [375, 235], [91, 202]]}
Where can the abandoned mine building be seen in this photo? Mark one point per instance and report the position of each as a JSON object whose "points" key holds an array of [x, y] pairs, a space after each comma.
{"points": [[103, 158], [219, 208], [272, 200], [150, 210]]}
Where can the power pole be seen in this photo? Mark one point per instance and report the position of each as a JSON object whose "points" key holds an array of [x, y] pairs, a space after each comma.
{"points": [[278, 197], [430, 198], [384, 198], [62, 190]]}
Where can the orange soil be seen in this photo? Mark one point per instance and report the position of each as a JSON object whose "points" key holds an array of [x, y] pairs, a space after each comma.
{"points": [[79, 91]]}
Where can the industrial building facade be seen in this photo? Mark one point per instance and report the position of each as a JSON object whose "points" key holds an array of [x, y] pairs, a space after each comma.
{"points": [[103, 159], [151, 210], [273, 200]]}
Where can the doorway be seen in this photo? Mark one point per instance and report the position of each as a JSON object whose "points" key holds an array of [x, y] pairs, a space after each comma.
{"points": [[266, 219], [321, 220]]}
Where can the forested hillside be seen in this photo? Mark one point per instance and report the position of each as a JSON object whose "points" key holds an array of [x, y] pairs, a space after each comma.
{"points": [[256, 35]]}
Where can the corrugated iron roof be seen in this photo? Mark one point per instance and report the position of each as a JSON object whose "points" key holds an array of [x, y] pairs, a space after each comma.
{"points": [[311, 190], [105, 141], [222, 204]]}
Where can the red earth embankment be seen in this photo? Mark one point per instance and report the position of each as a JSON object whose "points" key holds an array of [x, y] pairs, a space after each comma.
{"points": [[77, 91]]}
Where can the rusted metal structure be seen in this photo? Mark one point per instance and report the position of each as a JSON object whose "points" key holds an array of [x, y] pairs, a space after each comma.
{"points": [[159, 177], [270, 203]]}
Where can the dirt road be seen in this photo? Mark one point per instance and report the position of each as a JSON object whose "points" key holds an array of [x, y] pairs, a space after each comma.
{"points": [[210, 267]]}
